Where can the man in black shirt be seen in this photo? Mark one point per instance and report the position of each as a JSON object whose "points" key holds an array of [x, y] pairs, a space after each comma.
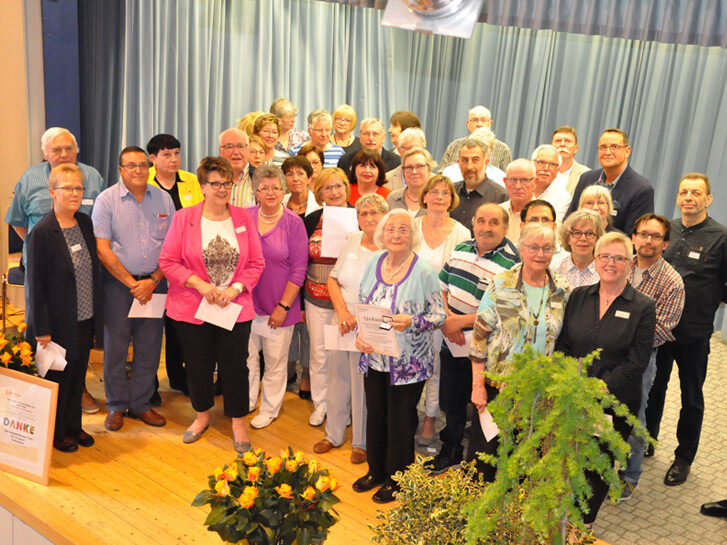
{"points": [[698, 251]]}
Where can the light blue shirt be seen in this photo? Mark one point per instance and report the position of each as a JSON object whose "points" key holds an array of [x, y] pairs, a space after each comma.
{"points": [[330, 155], [136, 229]]}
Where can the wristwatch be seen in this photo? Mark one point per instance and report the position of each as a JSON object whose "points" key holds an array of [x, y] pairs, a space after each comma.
{"points": [[239, 286], [287, 308]]}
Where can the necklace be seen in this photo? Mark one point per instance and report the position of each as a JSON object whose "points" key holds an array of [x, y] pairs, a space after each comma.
{"points": [[271, 219], [297, 208], [536, 315], [409, 199], [279, 211], [398, 269]]}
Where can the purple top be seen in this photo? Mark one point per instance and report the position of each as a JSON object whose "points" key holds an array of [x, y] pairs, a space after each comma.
{"points": [[285, 248]]}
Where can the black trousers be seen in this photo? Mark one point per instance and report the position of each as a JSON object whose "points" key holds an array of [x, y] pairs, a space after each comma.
{"points": [[203, 346], [691, 357], [173, 355], [478, 443], [391, 423], [455, 391], [71, 382]]}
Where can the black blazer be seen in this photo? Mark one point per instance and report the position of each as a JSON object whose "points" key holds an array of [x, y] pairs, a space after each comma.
{"points": [[625, 334], [632, 197], [52, 282]]}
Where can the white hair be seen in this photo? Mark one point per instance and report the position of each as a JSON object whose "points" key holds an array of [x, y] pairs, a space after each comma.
{"points": [[48, 136], [373, 121], [485, 135], [414, 133], [415, 238], [547, 147], [521, 163], [234, 130], [479, 110], [317, 115]]}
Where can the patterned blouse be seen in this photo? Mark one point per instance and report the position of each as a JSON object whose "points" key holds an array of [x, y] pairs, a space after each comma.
{"points": [[83, 267], [503, 322]]}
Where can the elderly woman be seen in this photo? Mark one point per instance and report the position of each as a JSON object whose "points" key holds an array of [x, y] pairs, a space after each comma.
{"points": [[276, 296], [440, 234], [298, 174], [315, 157], [212, 252], [367, 175], [613, 316], [267, 128], [521, 306], [397, 279], [417, 165], [64, 295], [344, 123], [598, 199], [345, 384], [331, 189], [289, 137], [578, 235]]}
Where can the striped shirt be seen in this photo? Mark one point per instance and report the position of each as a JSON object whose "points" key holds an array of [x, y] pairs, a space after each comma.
{"points": [[662, 283], [466, 274], [242, 194], [331, 155]]}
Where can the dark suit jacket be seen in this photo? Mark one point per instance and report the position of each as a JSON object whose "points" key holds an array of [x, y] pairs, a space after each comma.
{"points": [[625, 334], [52, 282], [391, 160], [632, 197]]}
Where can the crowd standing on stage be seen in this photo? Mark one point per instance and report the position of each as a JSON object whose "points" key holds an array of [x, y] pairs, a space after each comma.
{"points": [[478, 251]]}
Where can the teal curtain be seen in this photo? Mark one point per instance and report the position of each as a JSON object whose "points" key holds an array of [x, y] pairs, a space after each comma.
{"points": [[192, 68]]}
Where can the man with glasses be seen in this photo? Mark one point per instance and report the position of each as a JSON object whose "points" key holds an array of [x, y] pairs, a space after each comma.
{"points": [[655, 278], [372, 136], [698, 252], [547, 162], [519, 178], [130, 221], [234, 147], [320, 128], [475, 188], [632, 193]]}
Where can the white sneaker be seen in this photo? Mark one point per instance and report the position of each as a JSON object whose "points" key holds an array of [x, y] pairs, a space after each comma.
{"points": [[261, 421], [318, 416]]}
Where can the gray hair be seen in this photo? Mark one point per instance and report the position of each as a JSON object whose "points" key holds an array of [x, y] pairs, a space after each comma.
{"points": [[428, 159], [372, 121], [372, 199], [281, 105], [479, 110], [547, 147], [317, 115], [522, 163], [532, 230], [579, 216], [470, 143], [236, 131], [48, 136], [268, 171], [414, 133], [415, 239], [486, 135], [597, 191]]}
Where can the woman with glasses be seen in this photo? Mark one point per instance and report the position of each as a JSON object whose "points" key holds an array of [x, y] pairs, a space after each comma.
{"points": [[578, 235], [276, 296], [397, 279], [267, 128], [331, 189], [613, 316], [522, 306], [289, 137], [417, 165], [212, 252], [367, 175], [598, 199], [256, 155], [344, 123]]}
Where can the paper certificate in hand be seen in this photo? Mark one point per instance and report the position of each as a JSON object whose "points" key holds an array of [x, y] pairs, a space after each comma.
{"points": [[375, 329], [338, 223]]}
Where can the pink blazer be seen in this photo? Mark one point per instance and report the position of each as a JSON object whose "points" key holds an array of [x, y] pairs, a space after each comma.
{"points": [[181, 257]]}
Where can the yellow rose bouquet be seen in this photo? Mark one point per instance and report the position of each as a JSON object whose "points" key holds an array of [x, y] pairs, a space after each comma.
{"points": [[16, 353]]}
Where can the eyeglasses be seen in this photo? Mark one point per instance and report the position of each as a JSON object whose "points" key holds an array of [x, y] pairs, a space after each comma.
{"points": [[403, 232], [535, 249], [218, 185], [342, 120], [258, 151], [536, 219], [439, 193], [231, 147], [643, 235], [135, 166], [412, 168], [542, 163], [617, 259], [69, 189], [520, 181], [334, 187], [610, 147], [269, 132], [370, 213], [590, 235], [269, 189]]}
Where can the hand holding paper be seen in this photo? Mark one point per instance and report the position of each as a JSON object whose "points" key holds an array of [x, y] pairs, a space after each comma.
{"points": [[153, 309], [52, 356], [216, 315]]}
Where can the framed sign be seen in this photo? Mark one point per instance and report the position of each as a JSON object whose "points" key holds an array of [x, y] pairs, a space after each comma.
{"points": [[27, 421]]}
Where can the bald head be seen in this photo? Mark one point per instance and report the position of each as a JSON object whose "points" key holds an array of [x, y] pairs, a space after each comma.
{"points": [[233, 147]]}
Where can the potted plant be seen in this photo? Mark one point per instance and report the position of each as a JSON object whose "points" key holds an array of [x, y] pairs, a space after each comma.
{"points": [[278, 500], [16, 353]]}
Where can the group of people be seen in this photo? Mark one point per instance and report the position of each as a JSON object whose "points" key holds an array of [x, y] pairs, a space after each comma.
{"points": [[478, 255]]}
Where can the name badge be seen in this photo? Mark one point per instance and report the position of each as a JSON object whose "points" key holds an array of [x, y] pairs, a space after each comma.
{"points": [[240, 229], [693, 255], [614, 212], [622, 314], [163, 216], [75, 248], [86, 202], [187, 197], [556, 304]]}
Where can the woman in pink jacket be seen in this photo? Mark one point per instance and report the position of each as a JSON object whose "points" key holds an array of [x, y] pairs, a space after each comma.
{"points": [[212, 252]]}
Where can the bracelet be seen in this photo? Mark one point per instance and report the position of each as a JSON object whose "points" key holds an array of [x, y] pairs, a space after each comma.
{"points": [[156, 282], [287, 308]]}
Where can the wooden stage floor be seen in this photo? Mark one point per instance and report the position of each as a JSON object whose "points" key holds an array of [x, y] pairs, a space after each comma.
{"points": [[135, 486]]}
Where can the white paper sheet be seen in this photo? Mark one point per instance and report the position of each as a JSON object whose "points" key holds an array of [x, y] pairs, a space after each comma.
{"points": [[338, 223], [460, 351], [52, 357], [260, 327], [216, 315], [154, 308], [383, 341], [489, 428], [332, 339]]}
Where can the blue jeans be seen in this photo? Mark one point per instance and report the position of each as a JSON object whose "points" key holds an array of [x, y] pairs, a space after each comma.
{"points": [[632, 473]]}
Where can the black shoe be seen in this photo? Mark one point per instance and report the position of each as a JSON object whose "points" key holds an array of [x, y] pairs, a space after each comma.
{"points": [[304, 394], [367, 482], [386, 493], [443, 461], [677, 473], [649, 452], [84, 439], [156, 399], [715, 509], [65, 445]]}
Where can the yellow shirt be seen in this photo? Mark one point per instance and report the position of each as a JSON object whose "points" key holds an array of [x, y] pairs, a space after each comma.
{"points": [[189, 190]]}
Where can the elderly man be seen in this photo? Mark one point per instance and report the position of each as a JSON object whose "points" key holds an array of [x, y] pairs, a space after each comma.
{"points": [[478, 117], [408, 139], [547, 162], [632, 194], [475, 188], [372, 136], [130, 221], [464, 279], [519, 181], [698, 252], [233, 147], [320, 127], [565, 140]]}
